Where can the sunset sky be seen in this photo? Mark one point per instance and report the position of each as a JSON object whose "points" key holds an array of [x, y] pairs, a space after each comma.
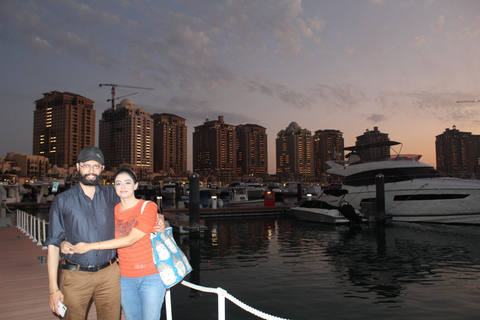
{"points": [[331, 64]]}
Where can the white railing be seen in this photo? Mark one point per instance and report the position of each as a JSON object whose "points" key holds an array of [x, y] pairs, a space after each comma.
{"points": [[222, 294], [36, 228], [33, 227]]}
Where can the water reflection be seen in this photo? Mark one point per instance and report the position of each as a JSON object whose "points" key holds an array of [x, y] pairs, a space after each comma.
{"points": [[301, 270]]}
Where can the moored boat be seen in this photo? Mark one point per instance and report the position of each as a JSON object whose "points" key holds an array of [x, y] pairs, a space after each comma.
{"points": [[239, 198], [321, 211], [414, 191]]}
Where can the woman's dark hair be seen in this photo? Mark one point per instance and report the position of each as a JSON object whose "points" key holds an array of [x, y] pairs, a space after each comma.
{"points": [[127, 171]]}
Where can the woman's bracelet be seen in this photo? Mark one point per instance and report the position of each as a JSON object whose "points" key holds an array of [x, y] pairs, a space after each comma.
{"points": [[54, 291]]}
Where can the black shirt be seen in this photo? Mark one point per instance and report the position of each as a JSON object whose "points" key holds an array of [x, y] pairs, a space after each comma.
{"points": [[75, 217]]}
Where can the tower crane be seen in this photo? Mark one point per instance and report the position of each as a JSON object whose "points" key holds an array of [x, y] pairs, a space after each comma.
{"points": [[120, 86]]}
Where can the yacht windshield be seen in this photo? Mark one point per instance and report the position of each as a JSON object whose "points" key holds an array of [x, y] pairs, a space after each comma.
{"points": [[391, 175]]}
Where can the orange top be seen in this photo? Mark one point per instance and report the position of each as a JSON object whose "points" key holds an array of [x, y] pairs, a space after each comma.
{"points": [[136, 260]]}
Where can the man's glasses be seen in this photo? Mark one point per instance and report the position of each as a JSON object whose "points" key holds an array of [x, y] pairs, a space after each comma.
{"points": [[88, 166]]}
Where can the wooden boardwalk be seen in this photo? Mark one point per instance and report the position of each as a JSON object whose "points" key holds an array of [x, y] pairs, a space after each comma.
{"points": [[23, 278]]}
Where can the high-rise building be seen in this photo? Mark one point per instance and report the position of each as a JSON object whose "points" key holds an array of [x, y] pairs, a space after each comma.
{"points": [[126, 137], [327, 145], [170, 144], [214, 149], [294, 148], [252, 156], [366, 145], [63, 124], [457, 152]]}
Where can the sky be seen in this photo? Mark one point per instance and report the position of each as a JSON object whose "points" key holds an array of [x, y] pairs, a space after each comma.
{"points": [[348, 65]]}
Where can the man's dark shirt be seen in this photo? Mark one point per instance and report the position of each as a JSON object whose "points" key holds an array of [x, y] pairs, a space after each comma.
{"points": [[75, 217]]}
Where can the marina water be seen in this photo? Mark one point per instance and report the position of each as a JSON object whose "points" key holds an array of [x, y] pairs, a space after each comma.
{"points": [[300, 270]]}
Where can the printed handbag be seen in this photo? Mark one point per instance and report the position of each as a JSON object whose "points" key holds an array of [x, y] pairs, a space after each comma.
{"points": [[171, 262]]}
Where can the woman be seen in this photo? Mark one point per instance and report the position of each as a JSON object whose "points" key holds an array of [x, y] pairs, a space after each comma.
{"points": [[142, 289]]}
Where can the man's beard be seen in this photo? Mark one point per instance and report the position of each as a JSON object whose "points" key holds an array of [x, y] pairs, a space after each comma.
{"points": [[88, 182]]}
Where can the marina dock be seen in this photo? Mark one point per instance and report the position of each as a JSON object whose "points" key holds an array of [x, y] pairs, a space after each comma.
{"points": [[232, 211], [24, 279]]}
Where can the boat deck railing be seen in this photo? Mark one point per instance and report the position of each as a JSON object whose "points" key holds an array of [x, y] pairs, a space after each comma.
{"points": [[36, 229]]}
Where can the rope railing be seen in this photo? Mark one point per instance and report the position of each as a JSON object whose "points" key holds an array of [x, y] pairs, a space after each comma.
{"points": [[33, 227], [222, 294]]}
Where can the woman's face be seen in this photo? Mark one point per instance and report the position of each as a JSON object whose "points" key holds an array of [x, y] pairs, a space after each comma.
{"points": [[124, 186]]}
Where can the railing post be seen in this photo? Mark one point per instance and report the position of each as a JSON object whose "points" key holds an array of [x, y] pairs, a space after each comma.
{"points": [[168, 305], [44, 233], [30, 227], [39, 228], [221, 303], [18, 219], [22, 222], [34, 231], [27, 228]]}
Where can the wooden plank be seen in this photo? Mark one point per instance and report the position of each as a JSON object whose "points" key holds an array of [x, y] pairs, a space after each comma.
{"points": [[23, 279]]}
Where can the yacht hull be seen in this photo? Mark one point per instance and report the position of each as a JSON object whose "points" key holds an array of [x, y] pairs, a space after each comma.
{"points": [[440, 200], [331, 216]]}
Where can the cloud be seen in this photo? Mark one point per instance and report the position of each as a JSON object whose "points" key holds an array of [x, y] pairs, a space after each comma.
{"points": [[288, 95], [350, 52], [41, 44], [418, 41], [375, 118], [439, 24], [339, 96]]}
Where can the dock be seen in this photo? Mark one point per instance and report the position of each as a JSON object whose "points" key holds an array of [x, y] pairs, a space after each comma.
{"points": [[24, 279], [232, 211]]}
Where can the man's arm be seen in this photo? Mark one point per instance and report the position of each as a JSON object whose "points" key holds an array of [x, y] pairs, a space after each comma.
{"points": [[55, 294]]}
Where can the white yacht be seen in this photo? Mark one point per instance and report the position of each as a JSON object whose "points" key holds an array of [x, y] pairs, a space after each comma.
{"points": [[255, 190], [317, 210], [414, 191]]}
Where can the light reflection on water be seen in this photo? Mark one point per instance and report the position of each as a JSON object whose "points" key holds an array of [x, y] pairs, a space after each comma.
{"points": [[301, 270]]}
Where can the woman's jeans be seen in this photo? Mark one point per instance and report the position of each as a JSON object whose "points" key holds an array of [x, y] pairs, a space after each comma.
{"points": [[142, 297]]}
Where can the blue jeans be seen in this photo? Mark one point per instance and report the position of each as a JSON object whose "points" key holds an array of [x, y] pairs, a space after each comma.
{"points": [[142, 297]]}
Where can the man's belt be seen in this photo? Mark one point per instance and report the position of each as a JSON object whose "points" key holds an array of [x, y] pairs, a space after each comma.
{"points": [[76, 267]]}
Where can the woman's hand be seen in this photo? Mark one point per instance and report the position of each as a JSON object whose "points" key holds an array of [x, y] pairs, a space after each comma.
{"points": [[83, 247], [160, 225]]}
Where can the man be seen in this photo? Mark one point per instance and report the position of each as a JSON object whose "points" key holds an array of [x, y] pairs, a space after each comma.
{"points": [[84, 213]]}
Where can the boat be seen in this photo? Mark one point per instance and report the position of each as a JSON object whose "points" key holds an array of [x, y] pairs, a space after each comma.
{"points": [[255, 190], [168, 191], [239, 198], [414, 191], [321, 211], [13, 192], [278, 191]]}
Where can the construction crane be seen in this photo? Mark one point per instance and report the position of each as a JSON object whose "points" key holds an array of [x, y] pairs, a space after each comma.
{"points": [[120, 86]]}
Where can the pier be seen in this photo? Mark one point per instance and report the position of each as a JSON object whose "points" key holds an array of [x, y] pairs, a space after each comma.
{"points": [[24, 279], [232, 211]]}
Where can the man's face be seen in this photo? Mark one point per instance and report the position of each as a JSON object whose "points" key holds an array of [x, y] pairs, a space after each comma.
{"points": [[90, 172]]}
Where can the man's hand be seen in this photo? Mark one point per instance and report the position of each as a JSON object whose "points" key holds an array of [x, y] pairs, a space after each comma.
{"points": [[67, 248], [55, 294], [53, 301]]}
